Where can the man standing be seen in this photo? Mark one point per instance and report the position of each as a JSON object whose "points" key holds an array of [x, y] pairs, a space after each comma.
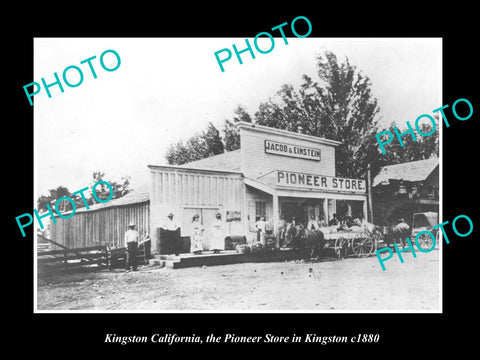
{"points": [[321, 221], [312, 223], [401, 231], [131, 244], [261, 227], [282, 227]]}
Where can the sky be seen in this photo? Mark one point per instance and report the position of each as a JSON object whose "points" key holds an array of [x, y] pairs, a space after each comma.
{"points": [[168, 89]]}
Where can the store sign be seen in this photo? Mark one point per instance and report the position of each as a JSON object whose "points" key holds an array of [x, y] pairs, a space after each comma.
{"points": [[311, 181], [273, 147]]}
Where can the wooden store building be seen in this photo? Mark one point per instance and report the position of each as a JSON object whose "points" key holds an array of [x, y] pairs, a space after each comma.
{"points": [[274, 173], [401, 190]]}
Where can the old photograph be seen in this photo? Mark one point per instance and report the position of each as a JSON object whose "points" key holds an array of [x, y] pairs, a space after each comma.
{"points": [[211, 175]]}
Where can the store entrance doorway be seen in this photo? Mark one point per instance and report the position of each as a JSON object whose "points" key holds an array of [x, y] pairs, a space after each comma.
{"points": [[301, 209]]}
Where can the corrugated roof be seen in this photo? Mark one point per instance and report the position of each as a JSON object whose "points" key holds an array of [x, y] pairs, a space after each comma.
{"points": [[227, 161], [410, 171]]}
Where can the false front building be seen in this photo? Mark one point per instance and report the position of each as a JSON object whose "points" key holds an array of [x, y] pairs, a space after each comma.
{"points": [[275, 173]]}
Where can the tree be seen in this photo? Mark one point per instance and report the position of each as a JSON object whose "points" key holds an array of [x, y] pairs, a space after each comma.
{"points": [[121, 188], [53, 196], [177, 153], [423, 148], [197, 147], [212, 141], [102, 191], [231, 135], [339, 106]]}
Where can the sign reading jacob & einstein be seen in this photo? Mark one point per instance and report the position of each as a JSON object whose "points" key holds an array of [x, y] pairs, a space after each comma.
{"points": [[272, 147]]}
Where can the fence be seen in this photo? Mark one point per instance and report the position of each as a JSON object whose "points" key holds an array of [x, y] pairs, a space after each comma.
{"points": [[69, 259], [93, 257]]}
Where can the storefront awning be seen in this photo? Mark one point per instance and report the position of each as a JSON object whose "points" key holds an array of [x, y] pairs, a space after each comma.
{"points": [[303, 192]]}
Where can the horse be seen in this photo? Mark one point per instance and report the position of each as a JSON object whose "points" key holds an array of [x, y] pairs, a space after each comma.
{"points": [[309, 243], [292, 237], [314, 243]]}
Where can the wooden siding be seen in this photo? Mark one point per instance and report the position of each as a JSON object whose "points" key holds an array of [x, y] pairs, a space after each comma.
{"points": [[99, 227], [184, 191], [252, 195], [255, 162]]}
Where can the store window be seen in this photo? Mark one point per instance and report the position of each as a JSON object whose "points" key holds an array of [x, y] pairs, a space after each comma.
{"points": [[260, 210]]}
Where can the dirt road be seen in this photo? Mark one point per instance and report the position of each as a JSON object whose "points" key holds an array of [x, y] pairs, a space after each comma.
{"points": [[352, 284]]}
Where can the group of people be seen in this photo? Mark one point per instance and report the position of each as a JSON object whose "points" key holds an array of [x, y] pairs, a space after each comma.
{"points": [[284, 227], [217, 242], [314, 223], [345, 221]]}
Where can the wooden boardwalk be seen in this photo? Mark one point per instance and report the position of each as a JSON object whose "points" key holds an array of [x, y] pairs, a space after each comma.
{"points": [[208, 258]]}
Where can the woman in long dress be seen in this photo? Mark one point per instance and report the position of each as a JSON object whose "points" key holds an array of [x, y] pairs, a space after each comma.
{"points": [[197, 235], [217, 243]]}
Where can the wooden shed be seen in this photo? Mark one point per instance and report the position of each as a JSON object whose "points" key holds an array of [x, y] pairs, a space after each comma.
{"points": [[103, 223]]}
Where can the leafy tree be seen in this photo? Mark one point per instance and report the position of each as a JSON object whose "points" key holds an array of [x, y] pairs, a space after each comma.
{"points": [[120, 189], [103, 192], [52, 197], [337, 105], [423, 148], [231, 135], [197, 147], [177, 153], [212, 141]]}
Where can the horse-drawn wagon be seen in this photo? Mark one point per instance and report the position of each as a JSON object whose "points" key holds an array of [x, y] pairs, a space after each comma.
{"points": [[359, 240]]}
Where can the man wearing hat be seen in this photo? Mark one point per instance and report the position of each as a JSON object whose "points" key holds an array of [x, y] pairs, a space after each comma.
{"points": [[131, 244], [401, 231], [170, 224]]}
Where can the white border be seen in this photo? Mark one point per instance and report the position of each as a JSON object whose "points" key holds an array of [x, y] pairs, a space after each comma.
{"points": [[436, 311]]}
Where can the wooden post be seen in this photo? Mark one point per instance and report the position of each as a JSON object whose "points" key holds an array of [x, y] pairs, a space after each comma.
{"points": [[275, 214], [65, 260], [326, 215], [369, 193], [276, 219]]}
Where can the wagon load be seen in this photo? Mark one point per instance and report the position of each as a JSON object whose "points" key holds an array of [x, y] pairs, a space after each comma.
{"points": [[360, 239]]}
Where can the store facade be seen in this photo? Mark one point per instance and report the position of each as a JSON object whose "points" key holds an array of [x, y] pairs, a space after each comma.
{"points": [[275, 173]]}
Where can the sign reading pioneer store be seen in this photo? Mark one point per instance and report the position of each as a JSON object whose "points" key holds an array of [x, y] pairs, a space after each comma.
{"points": [[302, 152], [313, 181]]}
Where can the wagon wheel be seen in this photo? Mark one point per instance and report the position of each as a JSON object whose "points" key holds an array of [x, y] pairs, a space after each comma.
{"points": [[425, 242], [341, 247], [362, 245]]}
